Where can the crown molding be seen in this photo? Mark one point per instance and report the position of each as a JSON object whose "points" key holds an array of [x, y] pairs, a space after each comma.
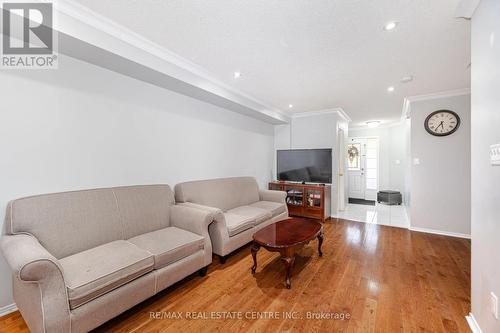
{"points": [[338, 111], [466, 8], [93, 38], [440, 94], [406, 110]]}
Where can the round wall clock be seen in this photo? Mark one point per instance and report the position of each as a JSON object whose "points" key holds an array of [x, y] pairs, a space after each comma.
{"points": [[442, 122]]}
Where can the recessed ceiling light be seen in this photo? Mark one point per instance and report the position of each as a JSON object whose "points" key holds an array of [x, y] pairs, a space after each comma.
{"points": [[390, 89], [237, 75], [290, 106], [373, 124], [390, 25]]}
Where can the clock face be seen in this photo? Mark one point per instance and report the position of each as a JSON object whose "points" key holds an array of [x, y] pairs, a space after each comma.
{"points": [[442, 122]]}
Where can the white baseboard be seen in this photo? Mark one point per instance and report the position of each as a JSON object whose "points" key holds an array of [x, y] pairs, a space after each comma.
{"points": [[440, 232], [396, 225], [5, 310], [474, 326]]}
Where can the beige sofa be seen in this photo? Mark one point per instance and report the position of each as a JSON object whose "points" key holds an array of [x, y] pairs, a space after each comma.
{"points": [[81, 258], [239, 207]]}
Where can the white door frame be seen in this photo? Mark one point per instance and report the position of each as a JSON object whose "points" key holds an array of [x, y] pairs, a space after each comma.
{"points": [[373, 195], [342, 169]]}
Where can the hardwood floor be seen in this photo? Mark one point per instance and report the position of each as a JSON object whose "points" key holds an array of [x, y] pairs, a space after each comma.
{"points": [[386, 279]]}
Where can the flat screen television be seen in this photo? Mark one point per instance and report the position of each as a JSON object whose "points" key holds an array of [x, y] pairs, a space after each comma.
{"points": [[305, 165]]}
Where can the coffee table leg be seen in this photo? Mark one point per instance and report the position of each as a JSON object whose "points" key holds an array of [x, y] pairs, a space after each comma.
{"points": [[255, 248], [320, 242], [288, 261]]}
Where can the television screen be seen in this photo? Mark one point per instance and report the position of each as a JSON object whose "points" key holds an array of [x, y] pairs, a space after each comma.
{"points": [[305, 165]]}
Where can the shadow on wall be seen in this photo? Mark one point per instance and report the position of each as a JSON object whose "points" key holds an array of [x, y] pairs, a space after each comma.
{"points": [[96, 81]]}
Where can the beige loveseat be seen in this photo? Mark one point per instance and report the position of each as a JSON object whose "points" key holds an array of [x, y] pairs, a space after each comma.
{"points": [[239, 207], [81, 258]]}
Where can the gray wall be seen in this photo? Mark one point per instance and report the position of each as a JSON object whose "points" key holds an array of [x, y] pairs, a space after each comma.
{"points": [[440, 185], [81, 126], [485, 178]]}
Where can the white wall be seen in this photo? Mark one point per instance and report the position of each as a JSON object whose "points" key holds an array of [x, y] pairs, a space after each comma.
{"points": [[392, 148], [313, 131], [485, 178], [316, 131], [82, 127], [407, 159], [440, 184]]}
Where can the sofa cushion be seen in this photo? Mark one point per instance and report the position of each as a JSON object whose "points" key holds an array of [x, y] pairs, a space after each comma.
{"points": [[275, 208], [94, 272], [169, 244], [223, 193], [258, 214], [237, 223], [67, 223]]}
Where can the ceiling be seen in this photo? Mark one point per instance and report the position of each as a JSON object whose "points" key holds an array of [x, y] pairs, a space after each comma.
{"points": [[314, 54]]}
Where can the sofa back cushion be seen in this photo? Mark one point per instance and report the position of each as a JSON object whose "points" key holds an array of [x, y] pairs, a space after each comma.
{"points": [[223, 193], [144, 208], [70, 222]]}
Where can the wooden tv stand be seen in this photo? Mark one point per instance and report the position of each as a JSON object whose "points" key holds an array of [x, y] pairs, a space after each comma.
{"points": [[306, 200]]}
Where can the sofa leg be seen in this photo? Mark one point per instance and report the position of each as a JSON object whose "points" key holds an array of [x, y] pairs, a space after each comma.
{"points": [[223, 259], [203, 271]]}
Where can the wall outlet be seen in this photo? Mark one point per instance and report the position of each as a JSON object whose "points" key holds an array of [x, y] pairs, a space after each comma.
{"points": [[416, 161], [494, 305], [495, 154]]}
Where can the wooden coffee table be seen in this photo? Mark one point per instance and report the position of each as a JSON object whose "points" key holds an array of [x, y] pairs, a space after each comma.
{"points": [[286, 237]]}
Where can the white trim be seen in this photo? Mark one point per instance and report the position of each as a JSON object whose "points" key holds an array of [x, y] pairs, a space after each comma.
{"points": [[338, 111], [406, 110], [439, 94], [344, 114], [5, 310], [466, 8], [474, 326], [396, 225], [440, 232]]}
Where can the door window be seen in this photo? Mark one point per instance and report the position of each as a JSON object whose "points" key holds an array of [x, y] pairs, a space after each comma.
{"points": [[354, 156]]}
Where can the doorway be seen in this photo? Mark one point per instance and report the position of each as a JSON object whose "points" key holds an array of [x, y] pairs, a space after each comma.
{"points": [[363, 169]]}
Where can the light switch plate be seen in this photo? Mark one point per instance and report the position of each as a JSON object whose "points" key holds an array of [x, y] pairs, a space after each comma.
{"points": [[495, 154], [494, 304]]}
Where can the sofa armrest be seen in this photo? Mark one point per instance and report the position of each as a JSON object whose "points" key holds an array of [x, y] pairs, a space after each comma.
{"points": [[28, 259], [39, 286], [271, 195], [195, 220], [217, 230], [191, 219]]}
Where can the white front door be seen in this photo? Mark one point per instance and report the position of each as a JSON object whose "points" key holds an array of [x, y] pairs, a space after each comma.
{"points": [[362, 160], [356, 165]]}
